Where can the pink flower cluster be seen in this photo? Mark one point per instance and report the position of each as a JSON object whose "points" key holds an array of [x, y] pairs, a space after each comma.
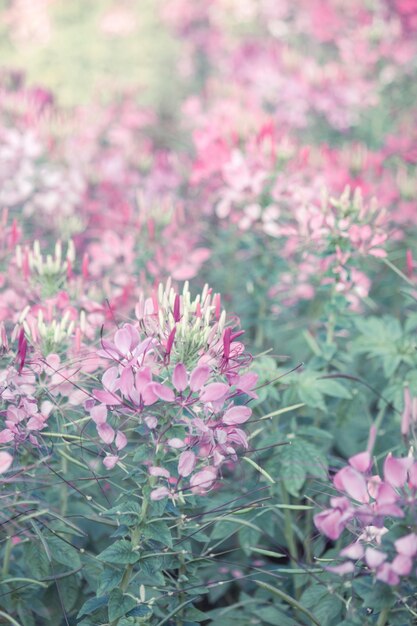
{"points": [[178, 373], [369, 504]]}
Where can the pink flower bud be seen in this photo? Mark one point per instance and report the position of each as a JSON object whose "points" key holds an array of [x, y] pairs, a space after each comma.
{"points": [[176, 443], [186, 463], [159, 494], [159, 471], [110, 461]]}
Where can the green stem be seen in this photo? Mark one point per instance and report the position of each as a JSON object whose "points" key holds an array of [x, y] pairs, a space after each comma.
{"points": [[10, 619], [135, 536], [181, 573], [383, 617], [6, 558], [64, 491]]}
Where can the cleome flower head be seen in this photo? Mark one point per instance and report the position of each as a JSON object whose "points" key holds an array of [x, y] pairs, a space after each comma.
{"points": [[180, 379]]}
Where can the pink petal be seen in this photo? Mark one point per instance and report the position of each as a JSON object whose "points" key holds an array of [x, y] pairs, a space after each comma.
{"points": [[126, 381], [122, 340], [387, 575], [396, 470], [143, 378], [109, 378], [199, 377], [354, 551], [111, 399], [374, 558], [6, 435], [407, 545], [186, 463], [162, 392], [148, 395], [402, 565], [6, 460], [179, 377], [330, 523], [385, 494], [353, 483], [237, 415], [99, 414], [361, 462], [214, 392], [413, 476], [105, 432], [121, 440]]}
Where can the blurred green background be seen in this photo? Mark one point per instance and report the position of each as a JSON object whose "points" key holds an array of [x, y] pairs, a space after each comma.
{"points": [[91, 49]]}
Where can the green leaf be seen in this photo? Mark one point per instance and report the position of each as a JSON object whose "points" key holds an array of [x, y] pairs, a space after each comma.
{"points": [[109, 579], [36, 560], [158, 531], [325, 607], [119, 552], [119, 604], [273, 615], [69, 592], [293, 472], [93, 604], [63, 552], [332, 388]]}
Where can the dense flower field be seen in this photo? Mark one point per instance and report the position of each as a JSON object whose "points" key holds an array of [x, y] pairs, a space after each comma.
{"points": [[208, 324]]}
